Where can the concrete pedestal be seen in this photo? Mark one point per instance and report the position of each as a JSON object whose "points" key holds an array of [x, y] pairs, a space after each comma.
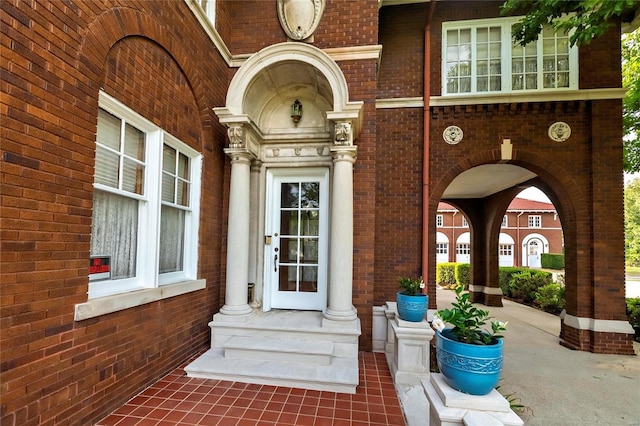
{"points": [[448, 407], [408, 356]]}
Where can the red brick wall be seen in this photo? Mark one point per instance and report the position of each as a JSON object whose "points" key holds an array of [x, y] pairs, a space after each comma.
{"points": [[56, 57], [343, 24], [398, 214]]}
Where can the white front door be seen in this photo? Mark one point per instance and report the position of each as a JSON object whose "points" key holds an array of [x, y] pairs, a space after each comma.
{"points": [[296, 234]]}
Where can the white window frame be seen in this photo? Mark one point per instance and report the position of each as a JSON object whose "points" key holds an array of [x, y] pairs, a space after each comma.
{"points": [[147, 255], [463, 248], [506, 58], [505, 249], [209, 8], [439, 220], [442, 248], [534, 221], [465, 223], [505, 221]]}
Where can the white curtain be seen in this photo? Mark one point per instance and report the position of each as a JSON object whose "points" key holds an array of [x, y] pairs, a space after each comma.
{"points": [[114, 232], [171, 239]]}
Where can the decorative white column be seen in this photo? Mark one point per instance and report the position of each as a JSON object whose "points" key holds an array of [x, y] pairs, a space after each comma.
{"points": [[256, 166], [341, 237], [236, 292]]}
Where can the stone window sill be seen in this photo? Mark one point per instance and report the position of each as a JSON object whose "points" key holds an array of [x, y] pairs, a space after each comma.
{"points": [[118, 302]]}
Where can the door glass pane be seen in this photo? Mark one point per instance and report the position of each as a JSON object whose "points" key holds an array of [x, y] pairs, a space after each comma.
{"points": [[289, 222], [309, 221], [310, 195], [289, 195], [309, 279], [309, 250], [287, 278]]}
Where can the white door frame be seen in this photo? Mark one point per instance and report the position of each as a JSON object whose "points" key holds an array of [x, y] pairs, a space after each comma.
{"points": [[273, 298]]}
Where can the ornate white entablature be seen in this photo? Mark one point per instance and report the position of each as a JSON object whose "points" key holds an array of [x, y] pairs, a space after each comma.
{"points": [[300, 18]]}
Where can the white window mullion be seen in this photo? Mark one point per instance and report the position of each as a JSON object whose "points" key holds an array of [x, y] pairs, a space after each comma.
{"points": [[149, 227], [506, 49], [473, 59], [193, 219]]}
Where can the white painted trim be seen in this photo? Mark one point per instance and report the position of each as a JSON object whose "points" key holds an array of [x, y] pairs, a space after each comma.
{"points": [[118, 302], [549, 96], [563, 95], [354, 53], [597, 325], [485, 290]]}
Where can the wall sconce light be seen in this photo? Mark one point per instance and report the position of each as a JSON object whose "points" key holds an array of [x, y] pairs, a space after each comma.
{"points": [[296, 111]]}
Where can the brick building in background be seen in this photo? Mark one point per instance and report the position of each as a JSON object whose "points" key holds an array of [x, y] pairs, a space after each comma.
{"points": [[157, 172], [529, 228]]}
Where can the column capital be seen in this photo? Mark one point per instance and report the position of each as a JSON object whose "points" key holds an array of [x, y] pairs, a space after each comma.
{"points": [[239, 155], [344, 153], [256, 165]]}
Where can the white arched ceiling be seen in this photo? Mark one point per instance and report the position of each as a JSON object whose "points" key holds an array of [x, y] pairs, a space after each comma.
{"points": [[485, 180], [268, 83]]}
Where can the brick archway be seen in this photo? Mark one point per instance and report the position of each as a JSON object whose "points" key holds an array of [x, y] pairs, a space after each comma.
{"points": [[588, 323]]}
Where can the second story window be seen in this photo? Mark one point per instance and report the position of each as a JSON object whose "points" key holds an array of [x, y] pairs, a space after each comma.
{"points": [[439, 220], [465, 224], [505, 222], [535, 221], [209, 7], [479, 57]]}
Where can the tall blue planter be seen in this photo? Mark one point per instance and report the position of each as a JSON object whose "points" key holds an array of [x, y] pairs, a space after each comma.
{"points": [[472, 369], [412, 308]]}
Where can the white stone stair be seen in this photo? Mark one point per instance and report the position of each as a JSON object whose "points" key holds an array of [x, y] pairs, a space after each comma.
{"points": [[282, 348], [270, 349]]}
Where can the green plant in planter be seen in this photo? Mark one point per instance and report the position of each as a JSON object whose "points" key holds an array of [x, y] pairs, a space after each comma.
{"points": [[411, 287], [468, 321]]}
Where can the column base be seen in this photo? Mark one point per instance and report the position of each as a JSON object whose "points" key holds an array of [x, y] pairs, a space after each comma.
{"points": [[342, 315], [233, 312]]}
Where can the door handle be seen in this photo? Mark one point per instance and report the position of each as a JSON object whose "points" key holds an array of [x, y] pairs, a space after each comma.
{"points": [[275, 263]]}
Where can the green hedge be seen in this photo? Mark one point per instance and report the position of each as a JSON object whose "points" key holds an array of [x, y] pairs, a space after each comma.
{"points": [[446, 274], [463, 275], [552, 261], [506, 274]]}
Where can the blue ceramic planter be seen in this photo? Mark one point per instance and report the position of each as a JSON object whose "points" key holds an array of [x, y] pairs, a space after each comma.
{"points": [[472, 369], [412, 308]]}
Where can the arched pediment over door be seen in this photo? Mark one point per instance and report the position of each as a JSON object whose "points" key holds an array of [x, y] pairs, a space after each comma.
{"points": [[261, 93]]}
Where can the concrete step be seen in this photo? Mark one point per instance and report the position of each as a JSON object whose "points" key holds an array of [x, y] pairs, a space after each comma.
{"points": [[284, 350], [341, 375]]}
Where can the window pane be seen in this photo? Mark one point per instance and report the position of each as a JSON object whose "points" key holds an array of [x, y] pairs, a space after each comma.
{"points": [[309, 221], [182, 194], [183, 166], [169, 159], [132, 176], [309, 250], [107, 165], [289, 195], [168, 188], [114, 232], [172, 221], [310, 195], [133, 142], [108, 130]]}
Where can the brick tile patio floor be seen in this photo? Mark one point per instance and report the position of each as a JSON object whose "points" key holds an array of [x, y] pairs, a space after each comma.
{"points": [[180, 400]]}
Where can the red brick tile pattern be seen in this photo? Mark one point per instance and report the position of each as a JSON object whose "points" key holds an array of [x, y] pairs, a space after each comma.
{"points": [[180, 400]]}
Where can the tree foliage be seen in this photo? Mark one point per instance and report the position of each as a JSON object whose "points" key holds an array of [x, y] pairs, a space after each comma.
{"points": [[631, 101], [632, 222], [588, 18]]}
